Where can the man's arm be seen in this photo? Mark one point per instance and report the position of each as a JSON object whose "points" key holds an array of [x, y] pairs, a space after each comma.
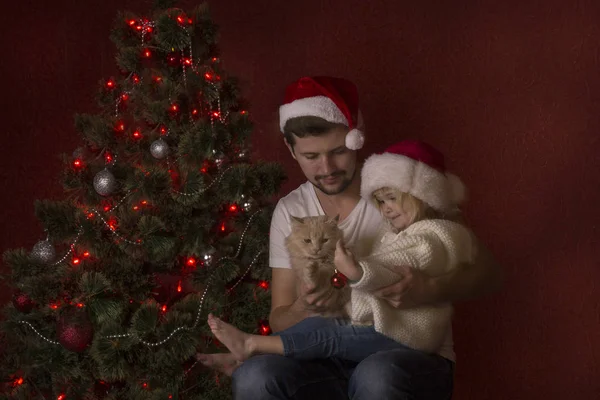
{"points": [[291, 302], [467, 281], [284, 310]]}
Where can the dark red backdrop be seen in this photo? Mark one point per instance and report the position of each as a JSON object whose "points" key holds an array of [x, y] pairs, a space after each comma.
{"points": [[509, 90]]}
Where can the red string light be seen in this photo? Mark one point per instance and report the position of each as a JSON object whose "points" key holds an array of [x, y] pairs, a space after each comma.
{"points": [[108, 158], [110, 84], [61, 397], [78, 163], [76, 260], [124, 97], [137, 134], [179, 289], [157, 79], [90, 215], [18, 382], [86, 254], [264, 328], [131, 22], [80, 305], [120, 126], [164, 308], [135, 78], [264, 284], [144, 202], [233, 208], [191, 262], [147, 53], [163, 130], [223, 227], [174, 108], [112, 223]]}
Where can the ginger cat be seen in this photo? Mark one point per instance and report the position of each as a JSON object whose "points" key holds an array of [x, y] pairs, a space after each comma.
{"points": [[311, 246]]}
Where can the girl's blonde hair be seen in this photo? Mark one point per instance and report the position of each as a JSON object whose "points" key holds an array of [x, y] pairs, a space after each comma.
{"points": [[416, 208]]}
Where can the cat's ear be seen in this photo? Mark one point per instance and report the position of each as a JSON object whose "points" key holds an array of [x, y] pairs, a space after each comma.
{"points": [[334, 220], [296, 220]]}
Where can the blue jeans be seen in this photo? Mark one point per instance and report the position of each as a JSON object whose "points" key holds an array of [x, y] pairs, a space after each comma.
{"points": [[397, 373], [319, 337]]}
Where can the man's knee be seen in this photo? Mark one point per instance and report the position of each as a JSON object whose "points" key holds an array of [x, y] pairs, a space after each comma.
{"points": [[253, 377], [400, 373], [376, 374]]}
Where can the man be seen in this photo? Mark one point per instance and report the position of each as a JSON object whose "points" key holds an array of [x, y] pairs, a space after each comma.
{"points": [[321, 124]]}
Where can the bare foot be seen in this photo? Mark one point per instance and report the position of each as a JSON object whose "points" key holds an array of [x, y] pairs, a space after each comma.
{"points": [[222, 362], [238, 342]]}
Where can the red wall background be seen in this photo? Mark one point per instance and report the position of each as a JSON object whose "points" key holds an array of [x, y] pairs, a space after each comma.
{"points": [[510, 91]]}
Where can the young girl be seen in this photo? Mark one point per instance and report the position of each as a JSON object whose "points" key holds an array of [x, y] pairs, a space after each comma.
{"points": [[409, 185]]}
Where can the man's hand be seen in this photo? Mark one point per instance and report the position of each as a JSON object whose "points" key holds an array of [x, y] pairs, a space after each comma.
{"points": [[313, 300], [346, 263], [413, 290]]}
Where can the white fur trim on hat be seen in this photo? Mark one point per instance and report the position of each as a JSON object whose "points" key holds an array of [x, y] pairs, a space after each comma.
{"points": [[317, 106], [411, 176], [355, 139]]}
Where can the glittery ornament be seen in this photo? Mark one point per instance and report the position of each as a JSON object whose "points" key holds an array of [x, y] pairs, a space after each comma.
{"points": [[43, 252], [105, 182], [22, 302], [218, 158], [338, 280], [243, 154], [74, 330], [248, 204], [159, 149], [207, 256]]}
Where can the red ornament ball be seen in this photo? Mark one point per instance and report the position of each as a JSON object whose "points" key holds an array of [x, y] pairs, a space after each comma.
{"points": [[22, 302], [338, 280], [74, 330]]}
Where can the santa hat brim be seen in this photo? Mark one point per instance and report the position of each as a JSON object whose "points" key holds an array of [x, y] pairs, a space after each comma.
{"points": [[410, 176]]}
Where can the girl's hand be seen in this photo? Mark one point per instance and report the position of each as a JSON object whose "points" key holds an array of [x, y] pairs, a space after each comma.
{"points": [[346, 263]]}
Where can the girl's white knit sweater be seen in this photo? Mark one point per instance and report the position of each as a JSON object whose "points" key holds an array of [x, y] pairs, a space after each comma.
{"points": [[433, 246]]}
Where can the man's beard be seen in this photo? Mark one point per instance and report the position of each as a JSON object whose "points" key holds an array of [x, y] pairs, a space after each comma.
{"points": [[343, 186]]}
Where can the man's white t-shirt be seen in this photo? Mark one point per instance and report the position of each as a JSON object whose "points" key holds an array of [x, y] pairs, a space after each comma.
{"points": [[360, 230]]}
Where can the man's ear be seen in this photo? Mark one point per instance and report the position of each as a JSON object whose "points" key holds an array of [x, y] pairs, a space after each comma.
{"points": [[290, 148]]}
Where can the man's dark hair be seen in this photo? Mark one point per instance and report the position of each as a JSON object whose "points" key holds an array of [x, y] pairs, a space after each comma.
{"points": [[306, 126]]}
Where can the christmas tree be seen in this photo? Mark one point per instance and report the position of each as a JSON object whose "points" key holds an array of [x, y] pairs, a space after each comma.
{"points": [[164, 220]]}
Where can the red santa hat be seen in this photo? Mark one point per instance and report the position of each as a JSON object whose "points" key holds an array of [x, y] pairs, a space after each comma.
{"points": [[333, 99], [413, 167]]}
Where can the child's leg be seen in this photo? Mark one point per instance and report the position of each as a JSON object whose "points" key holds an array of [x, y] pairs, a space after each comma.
{"points": [[334, 338], [241, 344]]}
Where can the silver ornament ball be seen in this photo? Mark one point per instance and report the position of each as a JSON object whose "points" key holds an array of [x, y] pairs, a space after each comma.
{"points": [[248, 204], [159, 149], [207, 257], [219, 158], [105, 182], [243, 154], [43, 252]]}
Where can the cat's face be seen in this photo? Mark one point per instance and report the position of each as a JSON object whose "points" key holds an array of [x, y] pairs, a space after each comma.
{"points": [[314, 237]]}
